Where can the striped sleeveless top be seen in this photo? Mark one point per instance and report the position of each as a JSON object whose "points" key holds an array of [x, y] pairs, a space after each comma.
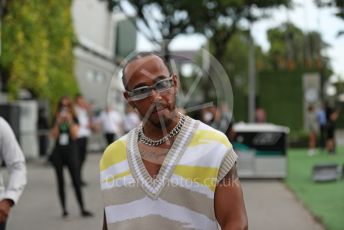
{"points": [[182, 194]]}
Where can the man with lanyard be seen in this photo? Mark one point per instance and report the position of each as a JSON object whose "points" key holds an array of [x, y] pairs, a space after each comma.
{"points": [[13, 157], [170, 172]]}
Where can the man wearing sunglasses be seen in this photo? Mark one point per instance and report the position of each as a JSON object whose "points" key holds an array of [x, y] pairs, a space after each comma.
{"points": [[170, 172]]}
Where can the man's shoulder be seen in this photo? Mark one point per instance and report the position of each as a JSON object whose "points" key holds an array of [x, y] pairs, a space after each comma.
{"points": [[4, 126], [2, 120], [119, 143], [207, 128], [114, 153], [207, 134]]}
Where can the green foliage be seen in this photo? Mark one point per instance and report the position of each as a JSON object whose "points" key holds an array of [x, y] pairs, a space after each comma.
{"points": [[219, 20], [236, 67], [37, 44], [280, 93], [162, 20], [158, 20], [235, 63], [293, 49]]}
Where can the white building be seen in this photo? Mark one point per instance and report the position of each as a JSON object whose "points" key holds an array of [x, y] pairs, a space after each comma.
{"points": [[98, 34]]}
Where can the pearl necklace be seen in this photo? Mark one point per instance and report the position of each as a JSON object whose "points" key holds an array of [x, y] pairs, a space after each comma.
{"points": [[148, 141]]}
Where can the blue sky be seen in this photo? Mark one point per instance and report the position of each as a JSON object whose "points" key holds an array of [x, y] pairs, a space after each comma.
{"points": [[305, 15]]}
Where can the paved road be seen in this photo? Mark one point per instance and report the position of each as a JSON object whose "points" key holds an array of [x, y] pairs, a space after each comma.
{"points": [[270, 205]]}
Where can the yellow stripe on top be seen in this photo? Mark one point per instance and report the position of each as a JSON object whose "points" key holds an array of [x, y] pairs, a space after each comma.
{"points": [[207, 136], [113, 154], [203, 175]]}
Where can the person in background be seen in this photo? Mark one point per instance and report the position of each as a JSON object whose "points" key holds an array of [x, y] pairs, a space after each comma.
{"points": [[260, 116], [83, 113], [217, 118], [221, 120], [312, 127], [331, 116], [227, 122], [43, 129], [65, 153], [322, 121], [111, 123], [13, 157], [131, 119], [208, 115]]}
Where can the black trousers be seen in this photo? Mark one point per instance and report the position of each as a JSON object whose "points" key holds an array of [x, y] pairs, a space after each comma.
{"points": [[322, 136], [3, 226], [43, 145], [82, 151], [110, 137], [67, 157]]}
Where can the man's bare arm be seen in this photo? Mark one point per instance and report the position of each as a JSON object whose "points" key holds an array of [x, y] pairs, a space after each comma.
{"points": [[229, 202]]}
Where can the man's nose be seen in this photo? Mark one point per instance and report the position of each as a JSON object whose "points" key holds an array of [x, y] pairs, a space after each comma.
{"points": [[155, 95]]}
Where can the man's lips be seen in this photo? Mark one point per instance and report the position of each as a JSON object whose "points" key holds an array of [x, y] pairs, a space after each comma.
{"points": [[158, 109]]}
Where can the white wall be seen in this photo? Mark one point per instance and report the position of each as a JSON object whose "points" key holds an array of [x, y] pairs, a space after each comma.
{"points": [[93, 25], [95, 29]]}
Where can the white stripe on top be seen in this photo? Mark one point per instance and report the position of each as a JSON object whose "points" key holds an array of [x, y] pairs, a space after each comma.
{"points": [[114, 170], [199, 155], [159, 207]]}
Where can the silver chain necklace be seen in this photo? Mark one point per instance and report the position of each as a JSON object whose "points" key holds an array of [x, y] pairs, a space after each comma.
{"points": [[148, 141]]}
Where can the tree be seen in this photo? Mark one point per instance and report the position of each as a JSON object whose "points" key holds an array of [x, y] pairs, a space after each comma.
{"points": [[220, 19], [37, 42], [294, 51], [287, 47], [291, 48], [162, 20], [158, 20]]}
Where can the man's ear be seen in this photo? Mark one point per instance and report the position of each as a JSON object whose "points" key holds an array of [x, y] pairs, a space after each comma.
{"points": [[175, 82]]}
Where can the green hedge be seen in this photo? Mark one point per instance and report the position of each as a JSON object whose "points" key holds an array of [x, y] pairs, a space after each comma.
{"points": [[280, 93], [240, 105]]}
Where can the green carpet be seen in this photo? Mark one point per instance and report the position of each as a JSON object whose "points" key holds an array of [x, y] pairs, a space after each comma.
{"points": [[324, 200]]}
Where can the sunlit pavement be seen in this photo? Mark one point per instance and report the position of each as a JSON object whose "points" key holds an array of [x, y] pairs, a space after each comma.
{"points": [[270, 205]]}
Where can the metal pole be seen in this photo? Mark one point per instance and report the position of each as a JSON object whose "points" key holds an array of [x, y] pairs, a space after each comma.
{"points": [[251, 80]]}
